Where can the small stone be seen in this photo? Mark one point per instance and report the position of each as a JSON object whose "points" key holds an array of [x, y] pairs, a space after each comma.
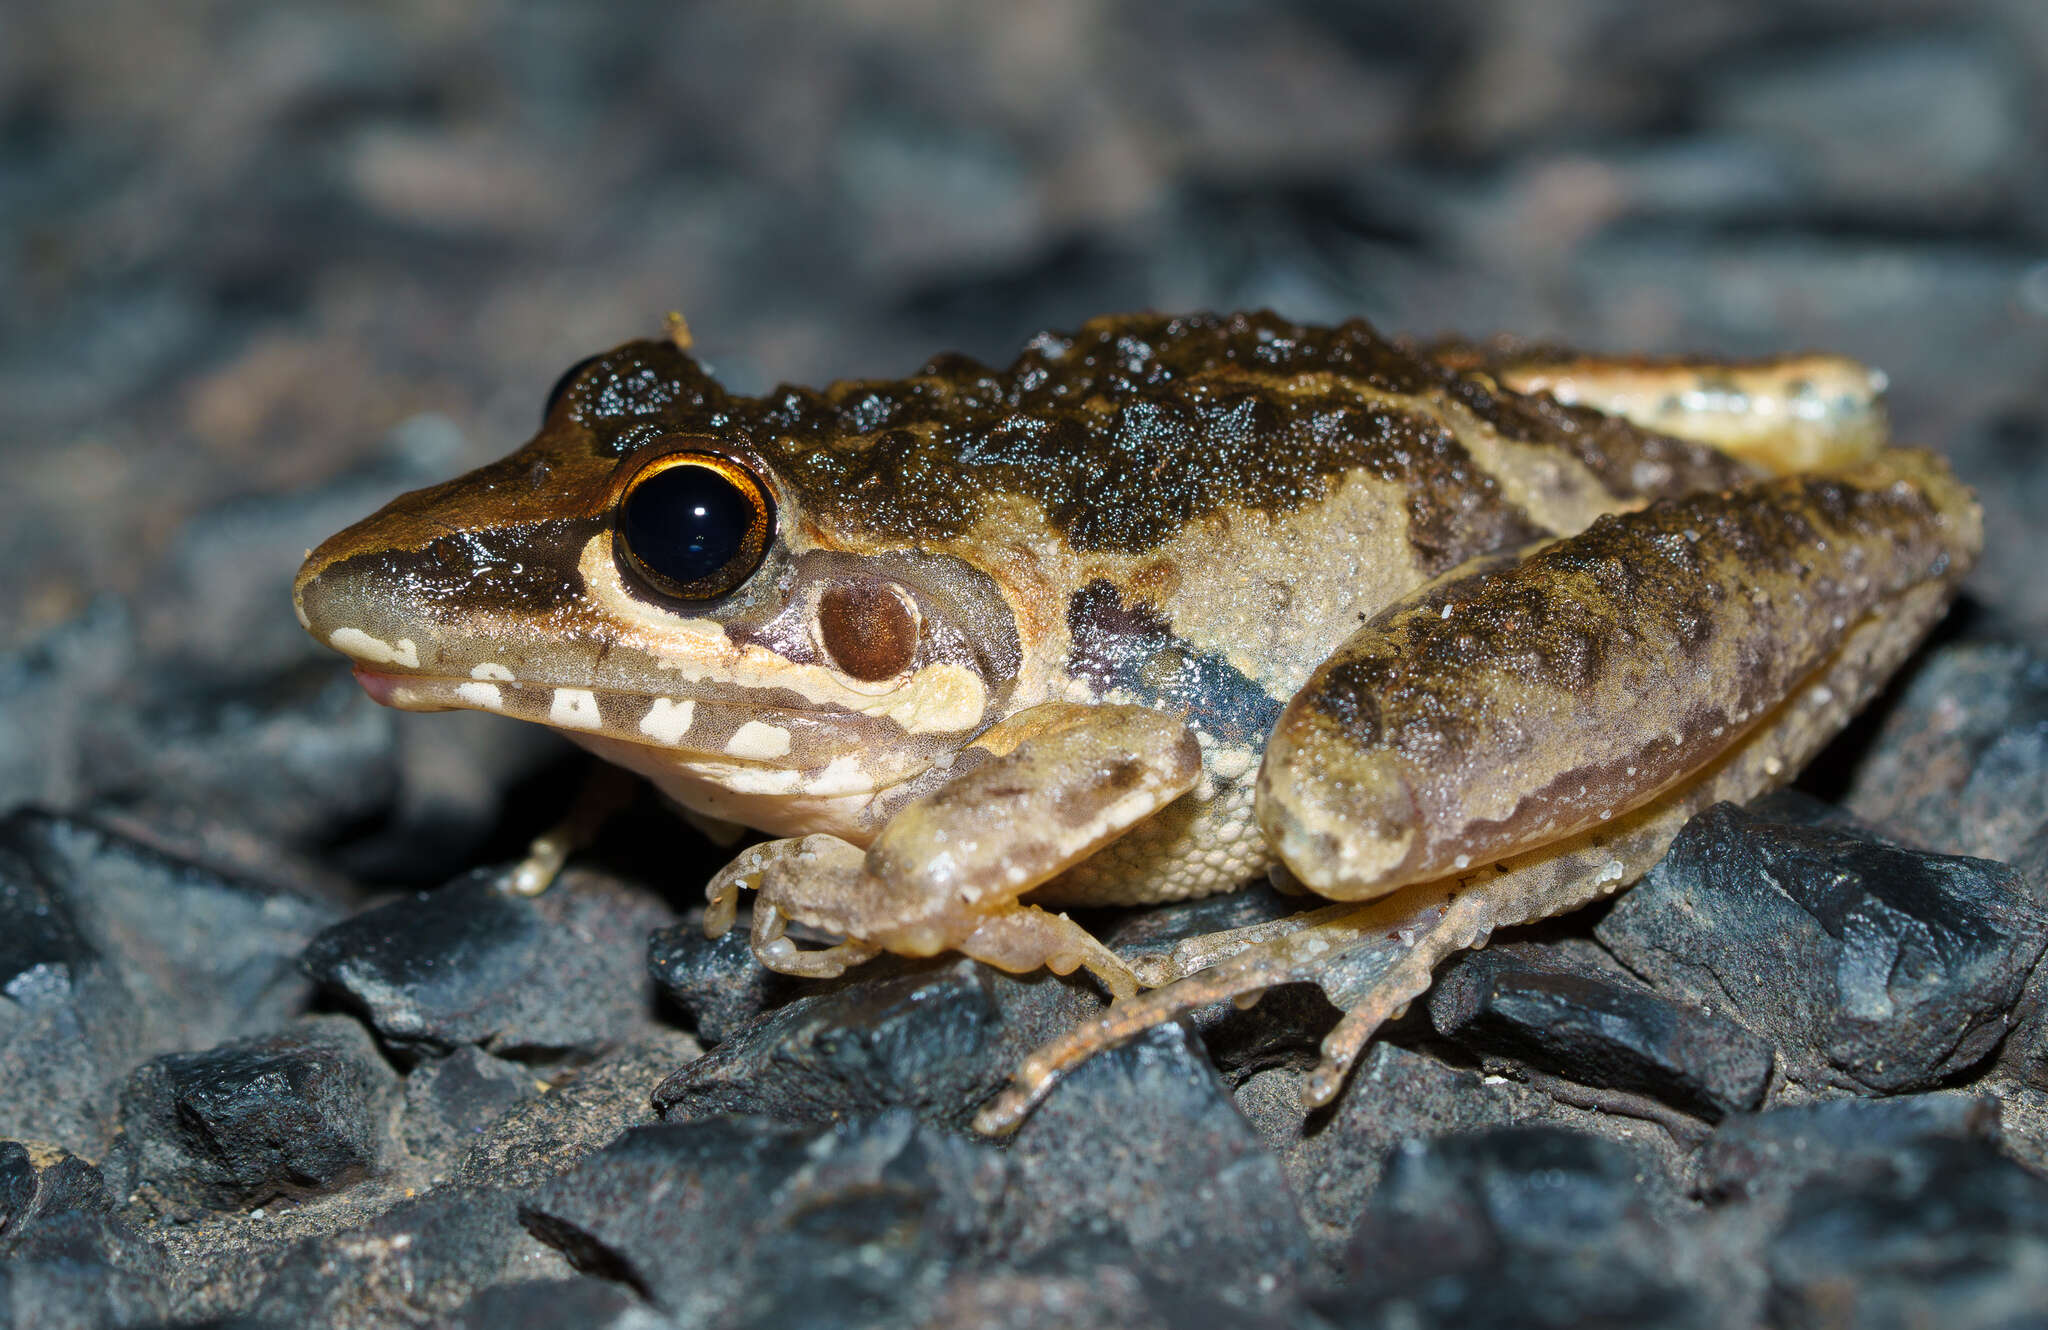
{"points": [[1333, 1158], [39, 1188], [1961, 764], [413, 1265], [66, 1259], [1944, 114], [1516, 1226], [297, 1114], [111, 951], [1554, 1010], [584, 1302], [1752, 1156], [299, 758], [717, 982], [584, 1110], [937, 1040], [866, 1218], [559, 975], [49, 691], [1143, 1144], [451, 1102], [1866, 965], [1935, 1232]]}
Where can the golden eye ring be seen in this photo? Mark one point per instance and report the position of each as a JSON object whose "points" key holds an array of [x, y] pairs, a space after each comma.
{"points": [[693, 525]]}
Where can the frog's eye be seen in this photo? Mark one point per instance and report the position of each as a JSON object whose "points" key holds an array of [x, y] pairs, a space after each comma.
{"points": [[694, 525]]}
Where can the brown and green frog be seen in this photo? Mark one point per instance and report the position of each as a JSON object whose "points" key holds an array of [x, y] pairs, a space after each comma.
{"points": [[1454, 637]]}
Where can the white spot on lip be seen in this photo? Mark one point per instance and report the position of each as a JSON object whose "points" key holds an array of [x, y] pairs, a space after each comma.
{"points": [[669, 720], [757, 740], [842, 775], [355, 642], [485, 695], [575, 709], [491, 670]]}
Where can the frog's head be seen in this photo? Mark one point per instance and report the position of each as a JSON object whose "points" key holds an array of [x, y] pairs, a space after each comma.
{"points": [[645, 577]]}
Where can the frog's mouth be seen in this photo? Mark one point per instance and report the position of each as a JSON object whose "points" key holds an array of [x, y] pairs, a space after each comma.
{"points": [[749, 747]]}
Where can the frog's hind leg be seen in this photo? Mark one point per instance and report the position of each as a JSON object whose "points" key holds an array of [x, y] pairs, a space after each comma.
{"points": [[1792, 413], [1350, 790], [1373, 958]]}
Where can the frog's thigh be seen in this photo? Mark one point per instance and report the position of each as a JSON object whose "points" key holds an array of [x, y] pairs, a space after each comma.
{"points": [[1515, 705], [1795, 413], [1040, 792]]}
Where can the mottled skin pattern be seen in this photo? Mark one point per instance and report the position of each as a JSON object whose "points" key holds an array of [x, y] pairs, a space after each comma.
{"points": [[1170, 602]]}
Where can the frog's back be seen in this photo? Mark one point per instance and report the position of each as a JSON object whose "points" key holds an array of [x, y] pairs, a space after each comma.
{"points": [[1235, 488]]}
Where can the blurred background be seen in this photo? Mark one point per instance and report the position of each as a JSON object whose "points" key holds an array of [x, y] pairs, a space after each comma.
{"points": [[263, 263]]}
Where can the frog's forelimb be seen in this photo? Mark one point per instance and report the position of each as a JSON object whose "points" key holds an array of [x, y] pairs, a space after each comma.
{"points": [[1036, 794]]}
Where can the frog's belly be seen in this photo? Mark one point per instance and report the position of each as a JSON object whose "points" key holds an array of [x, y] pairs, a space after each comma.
{"points": [[1192, 847]]}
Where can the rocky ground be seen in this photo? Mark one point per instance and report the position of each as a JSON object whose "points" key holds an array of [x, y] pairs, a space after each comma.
{"points": [[274, 1047]]}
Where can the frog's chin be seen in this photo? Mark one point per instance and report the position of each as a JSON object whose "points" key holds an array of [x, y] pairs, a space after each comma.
{"points": [[781, 801]]}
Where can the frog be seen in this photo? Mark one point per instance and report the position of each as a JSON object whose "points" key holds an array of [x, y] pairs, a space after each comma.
{"points": [[1442, 637]]}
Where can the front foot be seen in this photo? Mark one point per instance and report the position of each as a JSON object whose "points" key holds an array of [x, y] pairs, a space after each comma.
{"points": [[1035, 795], [821, 881]]}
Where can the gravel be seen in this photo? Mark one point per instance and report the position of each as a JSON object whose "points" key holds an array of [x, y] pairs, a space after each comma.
{"points": [[277, 1050]]}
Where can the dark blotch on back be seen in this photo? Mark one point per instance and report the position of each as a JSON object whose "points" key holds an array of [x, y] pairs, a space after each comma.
{"points": [[1134, 648], [1125, 431]]}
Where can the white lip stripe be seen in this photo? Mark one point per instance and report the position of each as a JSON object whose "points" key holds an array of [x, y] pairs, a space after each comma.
{"points": [[485, 695], [355, 642], [575, 709], [493, 671], [757, 740], [668, 720]]}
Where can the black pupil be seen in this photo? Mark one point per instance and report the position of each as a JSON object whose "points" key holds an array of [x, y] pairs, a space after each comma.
{"points": [[686, 523]]}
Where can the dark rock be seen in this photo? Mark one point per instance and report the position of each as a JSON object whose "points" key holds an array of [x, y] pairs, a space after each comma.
{"points": [[451, 1102], [67, 1019], [1755, 1156], [414, 1265], [298, 758], [548, 1304], [557, 975], [1106, 1295], [1864, 964], [1944, 114], [585, 1109], [1554, 1010], [1938, 1232], [1961, 763], [937, 1040], [111, 951], [1287, 1018], [1144, 1144], [39, 1189], [716, 982], [293, 1115], [1333, 1158], [66, 1259], [1517, 1226], [49, 690], [861, 1223]]}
